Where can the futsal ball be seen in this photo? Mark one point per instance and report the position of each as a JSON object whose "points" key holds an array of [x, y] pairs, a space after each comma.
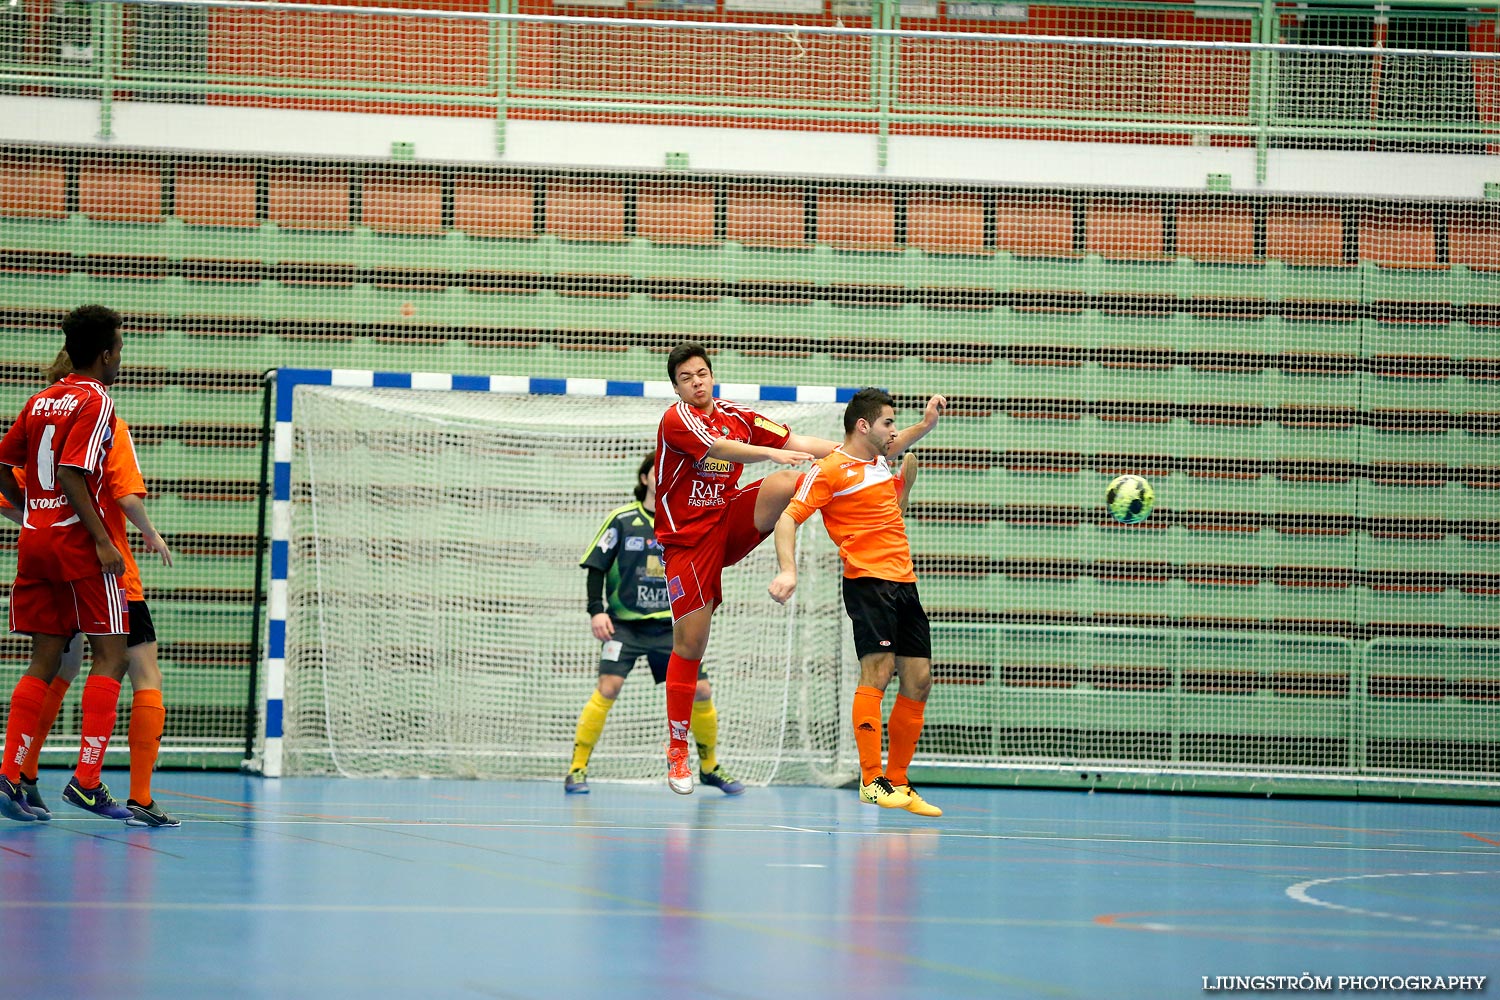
{"points": [[1130, 499]]}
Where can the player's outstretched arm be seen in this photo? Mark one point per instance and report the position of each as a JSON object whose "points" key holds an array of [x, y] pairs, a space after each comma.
{"points": [[917, 431], [815, 446], [745, 454], [133, 507], [909, 467], [784, 583]]}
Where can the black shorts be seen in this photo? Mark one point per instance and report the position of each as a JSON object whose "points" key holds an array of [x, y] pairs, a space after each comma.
{"points": [[142, 630], [651, 638], [888, 618]]}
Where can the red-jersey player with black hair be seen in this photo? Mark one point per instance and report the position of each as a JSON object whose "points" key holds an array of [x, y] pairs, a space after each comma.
{"points": [[69, 574], [706, 522]]}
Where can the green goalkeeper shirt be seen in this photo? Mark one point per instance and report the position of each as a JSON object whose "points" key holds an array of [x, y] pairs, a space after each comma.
{"points": [[626, 550]]}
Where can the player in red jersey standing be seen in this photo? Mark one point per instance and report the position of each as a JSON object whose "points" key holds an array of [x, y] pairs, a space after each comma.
{"points": [[705, 522], [68, 571]]}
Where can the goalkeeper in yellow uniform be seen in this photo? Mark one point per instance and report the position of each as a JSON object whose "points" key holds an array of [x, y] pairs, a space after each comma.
{"points": [[631, 616]]}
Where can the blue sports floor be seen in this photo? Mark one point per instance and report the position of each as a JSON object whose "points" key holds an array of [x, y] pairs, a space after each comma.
{"points": [[417, 889]]}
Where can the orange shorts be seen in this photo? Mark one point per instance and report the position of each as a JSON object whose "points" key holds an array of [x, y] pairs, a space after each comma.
{"points": [[94, 605], [693, 572]]}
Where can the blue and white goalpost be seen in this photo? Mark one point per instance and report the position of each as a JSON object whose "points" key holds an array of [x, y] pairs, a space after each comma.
{"points": [[426, 609]]}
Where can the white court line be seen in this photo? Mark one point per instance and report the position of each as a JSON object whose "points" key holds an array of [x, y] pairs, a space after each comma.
{"points": [[947, 833], [775, 864], [1299, 892]]}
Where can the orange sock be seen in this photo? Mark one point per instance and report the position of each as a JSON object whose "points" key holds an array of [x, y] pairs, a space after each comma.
{"points": [[20, 730], [147, 718], [867, 731], [100, 695], [51, 705], [905, 726]]}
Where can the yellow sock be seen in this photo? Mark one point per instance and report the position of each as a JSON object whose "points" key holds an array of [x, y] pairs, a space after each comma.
{"points": [[590, 727], [705, 726]]}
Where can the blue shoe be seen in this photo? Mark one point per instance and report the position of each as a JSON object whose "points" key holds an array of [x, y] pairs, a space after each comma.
{"points": [[96, 800], [13, 802], [34, 799], [720, 779], [577, 782]]}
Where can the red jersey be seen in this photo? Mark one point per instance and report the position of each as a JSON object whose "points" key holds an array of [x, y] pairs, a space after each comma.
{"points": [[71, 422], [122, 478], [693, 489]]}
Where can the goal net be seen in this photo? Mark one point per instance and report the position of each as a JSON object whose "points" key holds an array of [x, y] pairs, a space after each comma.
{"points": [[436, 621]]}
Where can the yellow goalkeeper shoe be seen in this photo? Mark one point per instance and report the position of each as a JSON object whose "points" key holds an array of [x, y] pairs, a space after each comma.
{"points": [[880, 792], [918, 805]]}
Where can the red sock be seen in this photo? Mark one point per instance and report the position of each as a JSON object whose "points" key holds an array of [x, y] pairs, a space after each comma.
{"points": [[51, 705], [147, 718], [867, 731], [100, 696], [682, 682], [21, 728], [905, 727]]}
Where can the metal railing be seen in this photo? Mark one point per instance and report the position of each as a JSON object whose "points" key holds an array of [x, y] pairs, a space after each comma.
{"points": [[1280, 82]]}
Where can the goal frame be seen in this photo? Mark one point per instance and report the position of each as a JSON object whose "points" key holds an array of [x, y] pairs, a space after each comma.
{"points": [[264, 756]]}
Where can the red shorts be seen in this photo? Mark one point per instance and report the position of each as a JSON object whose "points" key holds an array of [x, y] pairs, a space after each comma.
{"points": [[94, 605], [693, 571]]}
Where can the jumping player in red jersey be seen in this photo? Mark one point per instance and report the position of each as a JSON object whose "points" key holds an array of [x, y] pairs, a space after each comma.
{"points": [[69, 575], [705, 522]]}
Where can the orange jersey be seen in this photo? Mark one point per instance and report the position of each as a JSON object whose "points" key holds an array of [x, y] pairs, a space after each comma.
{"points": [[122, 477], [861, 513]]}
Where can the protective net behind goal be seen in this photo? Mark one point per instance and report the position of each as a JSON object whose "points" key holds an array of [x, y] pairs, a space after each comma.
{"points": [[436, 620]]}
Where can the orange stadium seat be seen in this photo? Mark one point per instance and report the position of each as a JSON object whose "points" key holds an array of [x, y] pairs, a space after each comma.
{"points": [[946, 221], [586, 208], [33, 187], [1399, 237], [1035, 225], [855, 219], [309, 198], [675, 213], [1216, 230], [495, 206], [1125, 228], [120, 190], [406, 202], [1306, 234], [773, 215], [1474, 237], [218, 194]]}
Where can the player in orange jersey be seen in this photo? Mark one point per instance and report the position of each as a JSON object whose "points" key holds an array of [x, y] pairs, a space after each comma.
{"points": [[67, 568], [706, 522], [122, 497], [862, 501]]}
